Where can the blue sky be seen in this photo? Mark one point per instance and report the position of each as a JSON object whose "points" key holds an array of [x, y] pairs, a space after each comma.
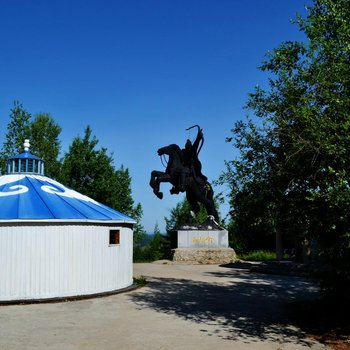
{"points": [[139, 72]]}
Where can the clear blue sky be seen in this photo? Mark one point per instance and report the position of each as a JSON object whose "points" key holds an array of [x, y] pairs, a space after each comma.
{"points": [[139, 72]]}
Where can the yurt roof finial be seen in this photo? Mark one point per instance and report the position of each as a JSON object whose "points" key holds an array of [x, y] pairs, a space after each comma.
{"points": [[25, 163], [26, 145]]}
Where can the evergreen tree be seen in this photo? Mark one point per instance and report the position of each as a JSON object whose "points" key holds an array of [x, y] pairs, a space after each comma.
{"points": [[80, 168], [43, 135], [17, 132], [158, 246], [90, 171]]}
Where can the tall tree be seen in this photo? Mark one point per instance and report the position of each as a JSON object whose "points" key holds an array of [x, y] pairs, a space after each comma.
{"points": [[294, 164], [44, 138], [80, 168], [158, 246], [17, 132], [90, 170]]}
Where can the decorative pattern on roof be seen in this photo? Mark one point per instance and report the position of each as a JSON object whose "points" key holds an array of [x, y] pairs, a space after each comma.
{"points": [[35, 197]]}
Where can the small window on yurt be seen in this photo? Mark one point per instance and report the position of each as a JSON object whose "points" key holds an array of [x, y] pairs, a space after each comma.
{"points": [[114, 237]]}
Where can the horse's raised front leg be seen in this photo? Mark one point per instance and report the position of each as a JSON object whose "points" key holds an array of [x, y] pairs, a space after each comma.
{"points": [[154, 183], [156, 178]]}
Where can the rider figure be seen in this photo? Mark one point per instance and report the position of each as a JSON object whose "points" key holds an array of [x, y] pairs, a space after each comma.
{"points": [[191, 164], [191, 161]]}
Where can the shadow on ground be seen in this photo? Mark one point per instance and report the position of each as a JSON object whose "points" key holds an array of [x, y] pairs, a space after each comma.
{"points": [[238, 305]]}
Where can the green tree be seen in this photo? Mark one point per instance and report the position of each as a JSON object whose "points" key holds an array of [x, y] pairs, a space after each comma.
{"points": [[294, 164], [181, 215], [83, 165], [44, 138], [17, 132], [152, 248], [158, 246], [122, 194], [90, 171]]}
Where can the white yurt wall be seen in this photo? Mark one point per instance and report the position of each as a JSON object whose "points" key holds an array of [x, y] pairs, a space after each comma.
{"points": [[56, 242], [62, 260]]}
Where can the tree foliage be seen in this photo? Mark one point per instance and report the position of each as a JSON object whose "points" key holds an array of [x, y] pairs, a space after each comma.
{"points": [[90, 170], [44, 138], [17, 132], [155, 248], [181, 215], [84, 167], [43, 133], [292, 175]]}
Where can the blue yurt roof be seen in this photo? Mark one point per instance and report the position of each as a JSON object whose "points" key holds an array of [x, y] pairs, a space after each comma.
{"points": [[26, 154], [26, 194], [37, 197]]}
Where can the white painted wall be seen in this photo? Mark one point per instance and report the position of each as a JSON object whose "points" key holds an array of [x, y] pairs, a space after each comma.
{"points": [[62, 260]]}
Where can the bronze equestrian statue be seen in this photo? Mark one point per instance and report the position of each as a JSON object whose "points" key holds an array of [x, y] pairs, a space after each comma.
{"points": [[184, 172]]}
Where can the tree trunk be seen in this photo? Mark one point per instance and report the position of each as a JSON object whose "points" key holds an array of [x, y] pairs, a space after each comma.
{"points": [[306, 251], [279, 248]]}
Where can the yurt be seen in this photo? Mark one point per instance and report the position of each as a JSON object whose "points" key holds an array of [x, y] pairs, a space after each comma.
{"points": [[56, 242]]}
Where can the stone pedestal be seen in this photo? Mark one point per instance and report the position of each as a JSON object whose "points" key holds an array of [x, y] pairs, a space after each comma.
{"points": [[203, 247]]}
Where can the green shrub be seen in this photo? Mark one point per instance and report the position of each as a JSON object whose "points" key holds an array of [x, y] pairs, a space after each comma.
{"points": [[258, 255], [140, 280]]}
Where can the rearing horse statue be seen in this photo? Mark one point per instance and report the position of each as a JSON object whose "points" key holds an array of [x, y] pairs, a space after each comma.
{"points": [[184, 179]]}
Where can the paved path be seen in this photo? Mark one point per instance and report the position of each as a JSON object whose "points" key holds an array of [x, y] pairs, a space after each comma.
{"points": [[182, 307]]}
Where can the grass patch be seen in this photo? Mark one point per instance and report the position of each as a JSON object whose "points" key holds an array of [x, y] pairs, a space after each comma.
{"points": [[258, 255], [140, 280]]}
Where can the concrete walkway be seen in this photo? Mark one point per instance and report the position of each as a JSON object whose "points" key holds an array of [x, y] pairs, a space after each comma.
{"points": [[182, 307]]}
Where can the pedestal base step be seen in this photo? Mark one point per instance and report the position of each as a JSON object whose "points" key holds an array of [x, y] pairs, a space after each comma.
{"points": [[204, 256]]}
